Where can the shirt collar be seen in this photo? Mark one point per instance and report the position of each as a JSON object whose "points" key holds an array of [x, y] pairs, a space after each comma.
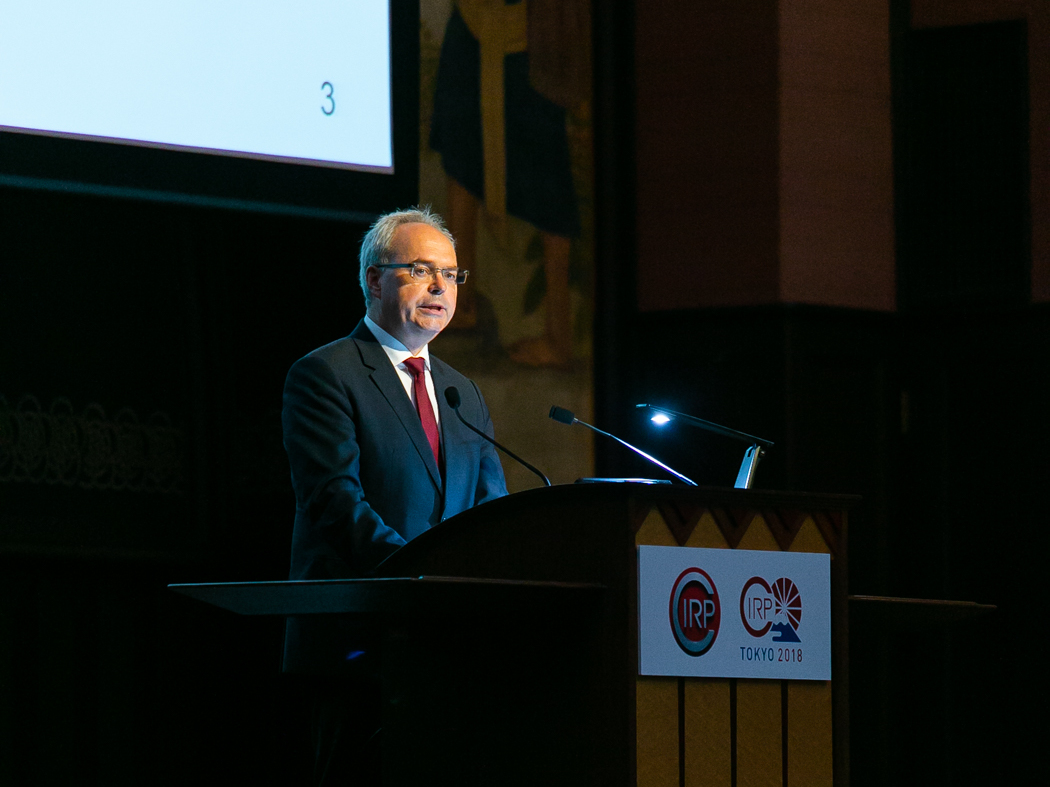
{"points": [[394, 349]]}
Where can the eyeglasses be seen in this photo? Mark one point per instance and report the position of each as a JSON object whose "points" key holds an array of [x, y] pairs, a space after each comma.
{"points": [[423, 272]]}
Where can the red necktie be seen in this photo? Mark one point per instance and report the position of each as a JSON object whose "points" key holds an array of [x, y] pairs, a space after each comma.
{"points": [[417, 368]]}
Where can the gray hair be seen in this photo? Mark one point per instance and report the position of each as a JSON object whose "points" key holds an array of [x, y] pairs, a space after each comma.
{"points": [[375, 247]]}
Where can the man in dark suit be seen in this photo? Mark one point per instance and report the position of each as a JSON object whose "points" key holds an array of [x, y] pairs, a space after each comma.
{"points": [[376, 454]]}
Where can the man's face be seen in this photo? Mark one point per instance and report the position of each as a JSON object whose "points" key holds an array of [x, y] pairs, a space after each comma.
{"points": [[413, 311]]}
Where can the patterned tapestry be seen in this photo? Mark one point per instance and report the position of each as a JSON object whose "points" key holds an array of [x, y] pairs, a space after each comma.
{"points": [[506, 156]]}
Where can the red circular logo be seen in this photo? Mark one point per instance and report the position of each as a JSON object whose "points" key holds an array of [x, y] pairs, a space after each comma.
{"points": [[695, 611]]}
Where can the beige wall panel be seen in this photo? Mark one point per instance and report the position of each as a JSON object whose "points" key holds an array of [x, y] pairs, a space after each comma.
{"points": [[809, 539], [809, 758], [838, 256], [706, 534], [836, 161], [708, 758], [758, 536], [758, 735], [656, 706], [654, 532]]}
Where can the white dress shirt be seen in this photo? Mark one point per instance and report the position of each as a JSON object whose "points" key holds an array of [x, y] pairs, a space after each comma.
{"points": [[397, 353]]}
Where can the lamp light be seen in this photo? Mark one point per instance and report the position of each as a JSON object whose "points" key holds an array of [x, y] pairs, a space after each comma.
{"points": [[746, 474]]}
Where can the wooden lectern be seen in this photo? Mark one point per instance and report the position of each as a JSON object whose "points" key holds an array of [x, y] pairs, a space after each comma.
{"points": [[509, 650]]}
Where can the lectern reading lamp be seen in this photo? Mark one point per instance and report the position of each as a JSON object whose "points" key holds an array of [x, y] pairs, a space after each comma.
{"points": [[746, 474]]}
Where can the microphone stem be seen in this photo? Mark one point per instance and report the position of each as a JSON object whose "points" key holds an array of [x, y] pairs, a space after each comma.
{"points": [[509, 453], [640, 452]]}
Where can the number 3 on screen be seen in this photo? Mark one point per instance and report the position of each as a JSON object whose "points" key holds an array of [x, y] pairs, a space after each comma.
{"points": [[328, 110]]}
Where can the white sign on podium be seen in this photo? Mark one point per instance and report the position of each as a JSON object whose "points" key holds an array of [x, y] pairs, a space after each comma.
{"points": [[734, 613]]}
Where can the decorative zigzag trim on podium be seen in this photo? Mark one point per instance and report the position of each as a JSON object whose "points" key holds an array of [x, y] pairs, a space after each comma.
{"points": [[681, 518], [784, 524]]}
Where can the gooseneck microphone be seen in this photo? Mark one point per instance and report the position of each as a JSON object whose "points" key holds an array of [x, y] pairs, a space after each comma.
{"points": [[563, 416], [452, 397]]}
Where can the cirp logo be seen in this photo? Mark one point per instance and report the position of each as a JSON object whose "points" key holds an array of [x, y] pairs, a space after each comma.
{"points": [[777, 608], [695, 611]]}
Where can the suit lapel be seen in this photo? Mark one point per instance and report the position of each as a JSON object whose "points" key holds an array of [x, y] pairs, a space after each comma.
{"points": [[385, 378]]}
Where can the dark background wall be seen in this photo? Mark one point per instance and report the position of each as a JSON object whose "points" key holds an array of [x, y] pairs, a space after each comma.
{"points": [[145, 353], [145, 345], [877, 306]]}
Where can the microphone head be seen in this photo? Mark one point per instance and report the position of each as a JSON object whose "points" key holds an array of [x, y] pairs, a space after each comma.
{"points": [[452, 397], [561, 415]]}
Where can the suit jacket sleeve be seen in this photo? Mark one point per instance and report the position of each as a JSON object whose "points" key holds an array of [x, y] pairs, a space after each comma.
{"points": [[337, 531]]}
